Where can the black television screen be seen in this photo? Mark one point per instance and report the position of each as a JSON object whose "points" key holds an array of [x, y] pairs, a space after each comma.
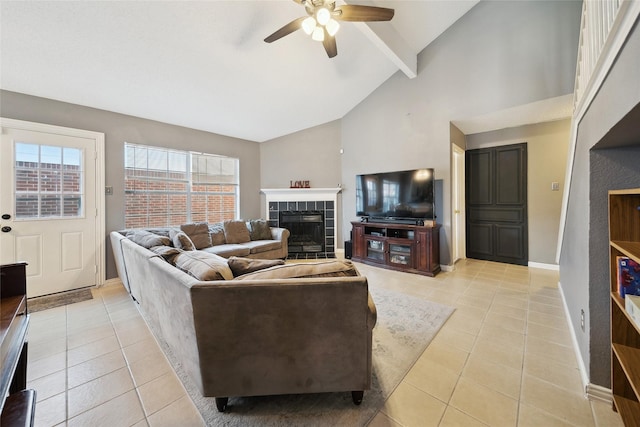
{"points": [[396, 195]]}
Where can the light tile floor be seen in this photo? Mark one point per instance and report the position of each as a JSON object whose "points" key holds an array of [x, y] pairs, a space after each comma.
{"points": [[504, 358]]}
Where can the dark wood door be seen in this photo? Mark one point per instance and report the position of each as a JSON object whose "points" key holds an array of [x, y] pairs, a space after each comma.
{"points": [[496, 202]]}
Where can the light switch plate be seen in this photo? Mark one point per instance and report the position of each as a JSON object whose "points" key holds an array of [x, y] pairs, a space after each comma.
{"points": [[108, 190]]}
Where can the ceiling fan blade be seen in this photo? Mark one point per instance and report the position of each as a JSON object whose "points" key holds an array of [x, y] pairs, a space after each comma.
{"points": [[329, 44], [355, 13], [292, 26]]}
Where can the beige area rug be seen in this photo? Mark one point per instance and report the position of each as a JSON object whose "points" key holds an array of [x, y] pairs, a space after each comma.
{"points": [[56, 300], [405, 327]]}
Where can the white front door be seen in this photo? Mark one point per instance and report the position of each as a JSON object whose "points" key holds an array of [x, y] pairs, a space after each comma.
{"points": [[49, 208]]}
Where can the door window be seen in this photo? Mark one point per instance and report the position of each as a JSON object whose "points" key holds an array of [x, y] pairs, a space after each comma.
{"points": [[48, 182]]}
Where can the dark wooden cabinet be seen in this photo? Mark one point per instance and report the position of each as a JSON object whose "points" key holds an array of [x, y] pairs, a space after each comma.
{"points": [[358, 242], [17, 405], [404, 247]]}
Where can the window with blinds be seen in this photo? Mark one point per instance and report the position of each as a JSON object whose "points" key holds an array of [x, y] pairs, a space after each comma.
{"points": [[166, 187]]}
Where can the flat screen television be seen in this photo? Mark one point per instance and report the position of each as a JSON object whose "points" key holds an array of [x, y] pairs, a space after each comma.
{"points": [[402, 195]]}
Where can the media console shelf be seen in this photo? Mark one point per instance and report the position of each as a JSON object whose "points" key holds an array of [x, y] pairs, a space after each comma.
{"points": [[624, 241], [404, 247]]}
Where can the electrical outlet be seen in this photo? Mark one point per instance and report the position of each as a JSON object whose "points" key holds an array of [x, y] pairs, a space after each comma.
{"points": [[555, 186], [582, 320]]}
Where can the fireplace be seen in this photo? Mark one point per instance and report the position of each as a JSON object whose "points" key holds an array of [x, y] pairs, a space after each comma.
{"points": [[310, 216], [307, 231]]}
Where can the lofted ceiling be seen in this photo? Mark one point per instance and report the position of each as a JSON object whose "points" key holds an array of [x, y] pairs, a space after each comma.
{"points": [[204, 64]]}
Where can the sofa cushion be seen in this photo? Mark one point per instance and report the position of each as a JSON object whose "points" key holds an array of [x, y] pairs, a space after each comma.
{"points": [[236, 231], [203, 265], [257, 246], [333, 268], [167, 252], [260, 230], [228, 250], [146, 239], [181, 241], [198, 232], [240, 265], [216, 231], [160, 231]]}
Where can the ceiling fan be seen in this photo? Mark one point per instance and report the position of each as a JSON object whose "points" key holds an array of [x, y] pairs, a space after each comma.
{"points": [[322, 25]]}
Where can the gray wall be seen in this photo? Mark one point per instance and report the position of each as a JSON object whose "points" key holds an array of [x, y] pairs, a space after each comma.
{"points": [[547, 146], [310, 155], [118, 129], [584, 261], [499, 55], [457, 137]]}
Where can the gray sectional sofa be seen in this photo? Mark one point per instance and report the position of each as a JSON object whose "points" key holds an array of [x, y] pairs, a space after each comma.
{"points": [[253, 331]]}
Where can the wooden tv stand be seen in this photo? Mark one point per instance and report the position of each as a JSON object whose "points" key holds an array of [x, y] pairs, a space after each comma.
{"points": [[403, 247]]}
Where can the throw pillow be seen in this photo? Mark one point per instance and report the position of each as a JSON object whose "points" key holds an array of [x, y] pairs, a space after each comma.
{"points": [[236, 231], [166, 252], [147, 239], [217, 234], [240, 265], [335, 268], [198, 232], [181, 240], [260, 230], [203, 266]]}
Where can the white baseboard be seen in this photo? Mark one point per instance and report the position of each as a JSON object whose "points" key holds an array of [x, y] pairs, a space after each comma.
{"points": [[597, 392], [112, 282], [447, 268], [554, 267], [584, 374], [339, 253]]}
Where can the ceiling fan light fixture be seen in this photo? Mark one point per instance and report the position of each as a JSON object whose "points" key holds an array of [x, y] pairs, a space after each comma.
{"points": [[308, 25], [323, 16], [321, 22], [332, 27], [318, 34]]}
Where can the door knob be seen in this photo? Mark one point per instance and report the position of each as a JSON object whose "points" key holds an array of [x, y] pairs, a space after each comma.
{"points": [[6, 216], [6, 229]]}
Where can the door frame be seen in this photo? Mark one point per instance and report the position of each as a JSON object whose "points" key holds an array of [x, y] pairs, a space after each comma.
{"points": [[99, 171], [458, 237]]}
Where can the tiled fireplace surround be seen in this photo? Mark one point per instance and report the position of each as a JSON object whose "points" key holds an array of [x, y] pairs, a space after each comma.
{"points": [[306, 199]]}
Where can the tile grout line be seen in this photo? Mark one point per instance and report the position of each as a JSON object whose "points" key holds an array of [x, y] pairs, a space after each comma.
{"points": [[128, 365]]}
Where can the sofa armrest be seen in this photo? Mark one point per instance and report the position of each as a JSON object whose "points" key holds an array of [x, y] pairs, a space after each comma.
{"points": [[373, 313], [116, 238], [281, 234]]}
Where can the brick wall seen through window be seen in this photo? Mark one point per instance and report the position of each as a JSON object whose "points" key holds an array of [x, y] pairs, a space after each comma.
{"points": [[165, 187], [48, 181]]}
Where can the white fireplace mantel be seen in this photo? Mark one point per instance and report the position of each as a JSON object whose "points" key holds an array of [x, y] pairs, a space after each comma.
{"points": [[300, 194]]}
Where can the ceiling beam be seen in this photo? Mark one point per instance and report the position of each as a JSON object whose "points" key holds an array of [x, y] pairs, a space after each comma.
{"points": [[387, 39], [389, 42]]}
